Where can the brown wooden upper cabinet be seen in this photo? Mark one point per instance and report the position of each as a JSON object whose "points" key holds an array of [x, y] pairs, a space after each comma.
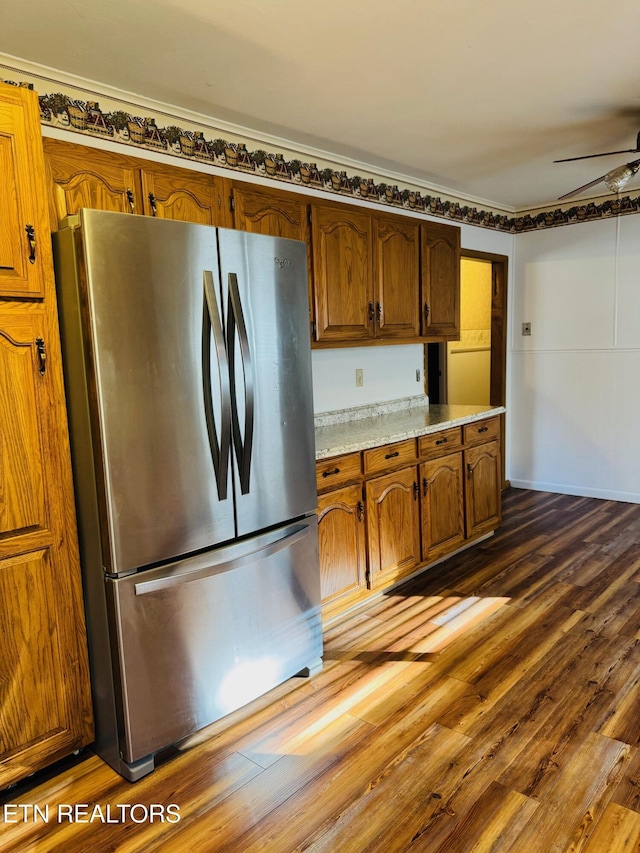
{"points": [[23, 228], [86, 177], [396, 254], [440, 281], [342, 273], [369, 283], [170, 192], [273, 212]]}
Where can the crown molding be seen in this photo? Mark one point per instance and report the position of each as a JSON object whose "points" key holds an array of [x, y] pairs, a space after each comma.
{"points": [[75, 107]]}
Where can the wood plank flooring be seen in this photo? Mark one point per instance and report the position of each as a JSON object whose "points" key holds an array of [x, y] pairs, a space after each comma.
{"points": [[491, 704]]}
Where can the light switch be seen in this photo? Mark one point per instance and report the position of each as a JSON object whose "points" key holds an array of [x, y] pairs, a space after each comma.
{"points": [[359, 377]]}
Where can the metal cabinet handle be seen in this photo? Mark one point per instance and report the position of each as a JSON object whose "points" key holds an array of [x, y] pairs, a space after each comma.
{"points": [[442, 440], [31, 238], [416, 491], [152, 202], [360, 509], [131, 200], [425, 486], [378, 313], [331, 473], [483, 429], [469, 470], [426, 310], [392, 455], [42, 354], [371, 313]]}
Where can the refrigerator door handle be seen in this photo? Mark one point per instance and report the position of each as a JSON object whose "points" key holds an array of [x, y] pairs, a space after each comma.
{"points": [[235, 320], [190, 575], [212, 326]]}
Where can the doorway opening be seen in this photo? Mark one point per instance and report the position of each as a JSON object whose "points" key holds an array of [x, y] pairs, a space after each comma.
{"points": [[483, 296]]}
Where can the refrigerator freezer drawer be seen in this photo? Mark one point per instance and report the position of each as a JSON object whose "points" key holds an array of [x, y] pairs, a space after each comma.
{"points": [[204, 636]]}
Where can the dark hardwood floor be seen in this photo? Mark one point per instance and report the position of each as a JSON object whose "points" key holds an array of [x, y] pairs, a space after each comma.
{"points": [[491, 704]]}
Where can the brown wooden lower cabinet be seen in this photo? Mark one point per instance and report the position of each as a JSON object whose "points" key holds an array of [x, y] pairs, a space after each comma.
{"points": [[442, 500], [482, 488], [341, 532], [378, 526], [393, 525]]}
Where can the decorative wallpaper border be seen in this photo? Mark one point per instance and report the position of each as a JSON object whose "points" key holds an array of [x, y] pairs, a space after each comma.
{"points": [[85, 117]]}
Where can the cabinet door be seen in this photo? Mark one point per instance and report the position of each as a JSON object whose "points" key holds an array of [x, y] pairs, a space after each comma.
{"points": [[86, 177], [342, 273], [23, 223], [442, 505], [440, 280], [173, 193], [342, 543], [393, 525], [276, 214], [44, 684], [482, 488], [396, 246]]}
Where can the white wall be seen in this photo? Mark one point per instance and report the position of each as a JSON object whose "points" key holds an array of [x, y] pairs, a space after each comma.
{"points": [[574, 385], [389, 374]]}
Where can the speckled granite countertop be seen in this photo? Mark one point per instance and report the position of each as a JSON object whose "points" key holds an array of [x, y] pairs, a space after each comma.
{"points": [[349, 430]]}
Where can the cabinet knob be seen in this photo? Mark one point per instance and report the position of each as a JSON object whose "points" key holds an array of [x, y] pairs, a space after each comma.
{"points": [[42, 354], [469, 470], [31, 238]]}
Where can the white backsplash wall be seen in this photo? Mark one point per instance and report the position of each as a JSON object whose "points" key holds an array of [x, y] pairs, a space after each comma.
{"points": [[389, 373]]}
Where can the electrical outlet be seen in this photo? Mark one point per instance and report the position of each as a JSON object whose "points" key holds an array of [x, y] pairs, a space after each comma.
{"points": [[359, 377], [526, 328]]}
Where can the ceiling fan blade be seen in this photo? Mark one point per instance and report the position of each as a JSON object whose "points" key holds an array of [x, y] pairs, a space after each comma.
{"points": [[604, 154], [583, 187]]}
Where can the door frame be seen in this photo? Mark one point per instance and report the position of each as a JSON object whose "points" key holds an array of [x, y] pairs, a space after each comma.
{"points": [[498, 378]]}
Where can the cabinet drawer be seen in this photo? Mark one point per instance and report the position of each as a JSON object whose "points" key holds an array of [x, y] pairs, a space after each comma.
{"points": [[389, 456], [480, 431], [437, 443], [337, 470]]}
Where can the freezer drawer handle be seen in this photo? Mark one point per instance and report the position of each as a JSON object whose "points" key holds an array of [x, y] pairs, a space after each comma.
{"points": [[187, 576], [235, 320], [212, 324]]}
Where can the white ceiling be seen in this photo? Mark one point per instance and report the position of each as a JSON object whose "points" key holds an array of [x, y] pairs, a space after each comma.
{"points": [[477, 96]]}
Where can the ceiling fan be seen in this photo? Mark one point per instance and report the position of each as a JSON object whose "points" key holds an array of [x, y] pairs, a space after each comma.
{"points": [[616, 179]]}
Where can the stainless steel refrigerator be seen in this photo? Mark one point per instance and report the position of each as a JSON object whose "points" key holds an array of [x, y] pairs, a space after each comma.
{"points": [[188, 374]]}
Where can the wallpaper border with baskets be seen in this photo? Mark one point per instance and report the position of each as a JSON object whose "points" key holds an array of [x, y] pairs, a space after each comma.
{"points": [[83, 116]]}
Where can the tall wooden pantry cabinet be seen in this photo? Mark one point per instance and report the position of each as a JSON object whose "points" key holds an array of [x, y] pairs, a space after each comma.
{"points": [[45, 700]]}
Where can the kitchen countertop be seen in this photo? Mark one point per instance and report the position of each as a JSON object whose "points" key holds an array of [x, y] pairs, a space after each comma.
{"points": [[350, 430]]}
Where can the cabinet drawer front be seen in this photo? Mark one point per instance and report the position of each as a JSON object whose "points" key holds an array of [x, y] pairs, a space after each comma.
{"points": [[389, 456], [437, 443], [337, 470], [480, 431]]}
